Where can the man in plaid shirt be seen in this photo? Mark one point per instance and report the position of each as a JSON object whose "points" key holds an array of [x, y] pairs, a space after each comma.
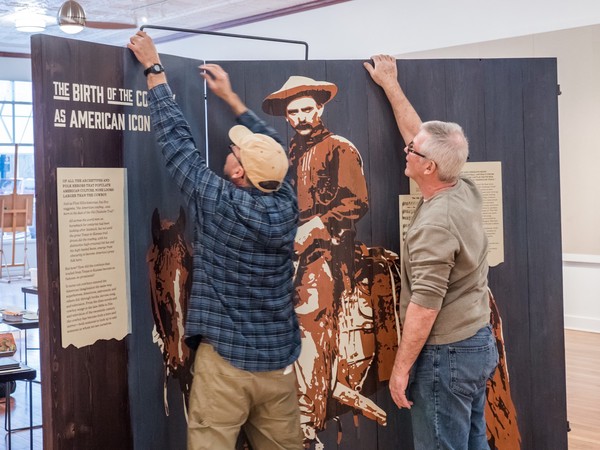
{"points": [[241, 318]]}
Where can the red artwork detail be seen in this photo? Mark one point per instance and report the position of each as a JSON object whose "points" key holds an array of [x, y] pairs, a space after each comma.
{"points": [[500, 412]]}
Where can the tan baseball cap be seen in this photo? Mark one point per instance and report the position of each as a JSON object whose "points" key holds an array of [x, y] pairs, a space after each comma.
{"points": [[263, 158]]}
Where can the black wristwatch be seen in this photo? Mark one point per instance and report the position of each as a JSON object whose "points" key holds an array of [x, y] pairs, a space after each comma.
{"points": [[154, 68]]}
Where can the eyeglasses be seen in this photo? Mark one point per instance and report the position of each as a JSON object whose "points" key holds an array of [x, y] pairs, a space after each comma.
{"points": [[410, 149], [231, 145]]}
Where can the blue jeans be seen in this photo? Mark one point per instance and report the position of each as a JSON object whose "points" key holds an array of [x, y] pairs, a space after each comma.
{"points": [[448, 388]]}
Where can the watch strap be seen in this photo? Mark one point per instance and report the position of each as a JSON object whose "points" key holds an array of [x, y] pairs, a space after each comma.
{"points": [[154, 68]]}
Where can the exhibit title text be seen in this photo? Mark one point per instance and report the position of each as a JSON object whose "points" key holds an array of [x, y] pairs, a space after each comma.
{"points": [[100, 117]]}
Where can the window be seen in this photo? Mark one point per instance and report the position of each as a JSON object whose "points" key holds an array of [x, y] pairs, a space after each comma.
{"points": [[16, 127]]}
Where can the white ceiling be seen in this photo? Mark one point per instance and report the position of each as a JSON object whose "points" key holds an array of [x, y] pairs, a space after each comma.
{"points": [[361, 28], [194, 14], [334, 29]]}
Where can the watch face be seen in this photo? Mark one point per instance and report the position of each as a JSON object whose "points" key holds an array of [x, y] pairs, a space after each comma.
{"points": [[154, 68]]}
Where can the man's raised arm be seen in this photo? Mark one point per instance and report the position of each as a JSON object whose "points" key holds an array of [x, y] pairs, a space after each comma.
{"points": [[385, 73]]}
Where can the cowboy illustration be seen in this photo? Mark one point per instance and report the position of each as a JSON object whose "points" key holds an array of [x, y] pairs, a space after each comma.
{"points": [[336, 320]]}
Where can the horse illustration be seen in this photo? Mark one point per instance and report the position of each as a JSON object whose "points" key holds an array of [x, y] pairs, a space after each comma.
{"points": [[368, 333], [365, 335], [170, 271]]}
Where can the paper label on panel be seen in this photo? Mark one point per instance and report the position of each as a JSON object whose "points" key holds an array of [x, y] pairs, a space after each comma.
{"points": [[408, 206], [94, 255], [488, 178]]}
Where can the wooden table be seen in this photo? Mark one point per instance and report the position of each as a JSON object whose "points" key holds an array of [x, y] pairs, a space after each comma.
{"points": [[24, 373], [24, 325], [28, 290]]}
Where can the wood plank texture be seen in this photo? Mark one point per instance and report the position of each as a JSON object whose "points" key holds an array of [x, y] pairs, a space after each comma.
{"points": [[104, 396], [85, 392]]}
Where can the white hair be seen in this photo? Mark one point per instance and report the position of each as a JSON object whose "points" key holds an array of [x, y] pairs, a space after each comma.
{"points": [[445, 144]]}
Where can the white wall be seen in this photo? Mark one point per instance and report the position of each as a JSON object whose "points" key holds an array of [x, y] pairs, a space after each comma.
{"points": [[581, 279], [578, 58], [360, 28], [577, 52]]}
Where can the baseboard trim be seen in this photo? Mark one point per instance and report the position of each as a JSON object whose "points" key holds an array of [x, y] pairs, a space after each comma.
{"points": [[582, 324]]}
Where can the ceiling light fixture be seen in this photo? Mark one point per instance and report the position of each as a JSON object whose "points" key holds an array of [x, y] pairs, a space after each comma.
{"points": [[30, 24], [71, 17]]}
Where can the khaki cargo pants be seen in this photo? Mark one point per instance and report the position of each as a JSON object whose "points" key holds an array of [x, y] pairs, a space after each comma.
{"points": [[225, 399]]}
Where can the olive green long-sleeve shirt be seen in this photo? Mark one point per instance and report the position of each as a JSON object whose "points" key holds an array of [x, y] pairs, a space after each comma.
{"points": [[444, 265]]}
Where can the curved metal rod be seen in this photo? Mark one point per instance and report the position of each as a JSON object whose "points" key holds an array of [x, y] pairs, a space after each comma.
{"points": [[240, 36]]}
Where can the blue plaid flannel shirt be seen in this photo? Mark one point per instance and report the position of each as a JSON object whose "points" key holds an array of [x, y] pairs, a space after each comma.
{"points": [[241, 300]]}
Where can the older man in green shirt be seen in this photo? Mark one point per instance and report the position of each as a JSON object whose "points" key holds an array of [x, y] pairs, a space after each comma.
{"points": [[447, 352]]}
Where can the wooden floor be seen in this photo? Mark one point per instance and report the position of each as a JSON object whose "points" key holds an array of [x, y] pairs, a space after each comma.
{"points": [[583, 389], [583, 385]]}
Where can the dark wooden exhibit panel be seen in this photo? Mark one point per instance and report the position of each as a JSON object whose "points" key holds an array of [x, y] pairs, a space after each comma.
{"points": [[508, 108], [84, 391], [109, 395]]}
